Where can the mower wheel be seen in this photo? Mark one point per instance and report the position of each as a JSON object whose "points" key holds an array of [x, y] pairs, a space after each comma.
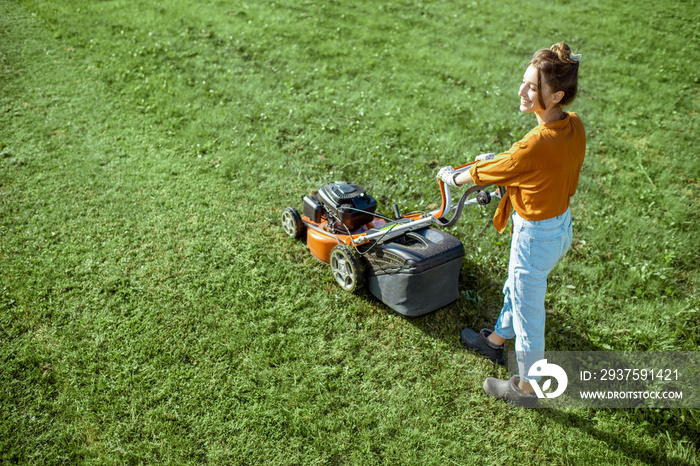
{"points": [[291, 222], [347, 268]]}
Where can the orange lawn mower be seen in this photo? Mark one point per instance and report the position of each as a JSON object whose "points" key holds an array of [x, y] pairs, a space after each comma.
{"points": [[408, 264]]}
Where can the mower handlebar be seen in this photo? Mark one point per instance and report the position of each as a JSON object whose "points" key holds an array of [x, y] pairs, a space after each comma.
{"points": [[436, 217], [446, 206], [446, 196]]}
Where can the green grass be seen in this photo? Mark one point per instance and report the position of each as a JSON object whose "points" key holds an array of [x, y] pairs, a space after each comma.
{"points": [[152, 310]]}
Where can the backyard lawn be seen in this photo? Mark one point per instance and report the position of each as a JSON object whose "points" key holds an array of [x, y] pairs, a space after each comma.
{"points": [[152, 310]]}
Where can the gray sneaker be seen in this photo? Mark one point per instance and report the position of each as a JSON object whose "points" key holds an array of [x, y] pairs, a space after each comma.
{"points": [[509, 391], [479, 342]]}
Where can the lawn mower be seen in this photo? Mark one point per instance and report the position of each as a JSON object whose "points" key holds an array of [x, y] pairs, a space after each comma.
{"points": [[406, 262]]}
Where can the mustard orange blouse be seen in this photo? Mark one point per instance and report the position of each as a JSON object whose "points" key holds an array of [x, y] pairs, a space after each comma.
{"points": [[541, 171]]}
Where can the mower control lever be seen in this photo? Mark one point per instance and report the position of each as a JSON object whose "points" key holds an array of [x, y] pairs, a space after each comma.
{"points": [[483, 197]]}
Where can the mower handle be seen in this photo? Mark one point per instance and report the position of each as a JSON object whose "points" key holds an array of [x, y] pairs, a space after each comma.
{"points": [[445, 193], [446, 196], [435, 217]]}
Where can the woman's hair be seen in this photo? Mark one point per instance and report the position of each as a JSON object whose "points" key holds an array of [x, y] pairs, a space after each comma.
{"points": [[558, 69]]}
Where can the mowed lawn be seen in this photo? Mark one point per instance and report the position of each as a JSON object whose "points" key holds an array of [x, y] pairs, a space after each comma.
{"points": [[152, 311]]}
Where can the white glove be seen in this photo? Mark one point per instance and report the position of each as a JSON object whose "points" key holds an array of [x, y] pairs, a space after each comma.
{"points": [[482, 157], [447, 175]]}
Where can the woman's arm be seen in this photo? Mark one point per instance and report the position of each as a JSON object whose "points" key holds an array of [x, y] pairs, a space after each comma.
{"points": [[464, 178], [448, 175]]}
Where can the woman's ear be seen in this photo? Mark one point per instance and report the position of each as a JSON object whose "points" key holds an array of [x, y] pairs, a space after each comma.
{"points": [[557, 96]]}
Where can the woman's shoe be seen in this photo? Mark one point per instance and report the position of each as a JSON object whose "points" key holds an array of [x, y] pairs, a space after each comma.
{"points": [[479, 342], [509, 391]]}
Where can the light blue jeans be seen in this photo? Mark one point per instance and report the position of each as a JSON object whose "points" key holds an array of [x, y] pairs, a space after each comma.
{"points": [[535, 249]]}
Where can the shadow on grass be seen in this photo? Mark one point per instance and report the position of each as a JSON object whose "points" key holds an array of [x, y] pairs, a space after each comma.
{"points": [[480, 309], [478, 306]]}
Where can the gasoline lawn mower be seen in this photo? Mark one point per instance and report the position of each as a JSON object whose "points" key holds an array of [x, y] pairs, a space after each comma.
{"points": [[405, 261]]}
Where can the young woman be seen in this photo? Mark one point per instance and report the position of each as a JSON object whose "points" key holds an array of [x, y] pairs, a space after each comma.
{"points": [[541, 172]]}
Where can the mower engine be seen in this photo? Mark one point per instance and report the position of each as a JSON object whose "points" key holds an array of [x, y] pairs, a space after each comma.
{"points": [[346, 207]]}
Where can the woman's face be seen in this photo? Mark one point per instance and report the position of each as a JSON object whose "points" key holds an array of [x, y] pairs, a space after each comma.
{"points": [[529, 93]]}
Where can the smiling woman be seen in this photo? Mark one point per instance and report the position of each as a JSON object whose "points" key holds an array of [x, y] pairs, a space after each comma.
{"points": [[541, 172]]}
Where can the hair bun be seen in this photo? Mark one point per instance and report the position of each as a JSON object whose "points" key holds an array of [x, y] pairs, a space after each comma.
{"points": [[557, 68], [564, 53]]}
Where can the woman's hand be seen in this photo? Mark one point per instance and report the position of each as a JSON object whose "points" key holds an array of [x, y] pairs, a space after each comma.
{"points": [[483, 157], [447, 175]]}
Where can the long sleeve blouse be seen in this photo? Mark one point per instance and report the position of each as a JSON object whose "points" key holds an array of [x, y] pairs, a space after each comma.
{"points": [[541, 171]]}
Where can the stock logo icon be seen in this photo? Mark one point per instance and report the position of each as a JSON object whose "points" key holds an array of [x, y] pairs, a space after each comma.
{"points": [[544, 369]]}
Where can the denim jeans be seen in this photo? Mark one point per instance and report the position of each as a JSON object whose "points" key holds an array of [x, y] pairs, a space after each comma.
{"points": [[535, 249]]}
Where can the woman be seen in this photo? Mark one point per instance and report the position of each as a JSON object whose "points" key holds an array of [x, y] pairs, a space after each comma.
{"points": [[541, 173]]}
